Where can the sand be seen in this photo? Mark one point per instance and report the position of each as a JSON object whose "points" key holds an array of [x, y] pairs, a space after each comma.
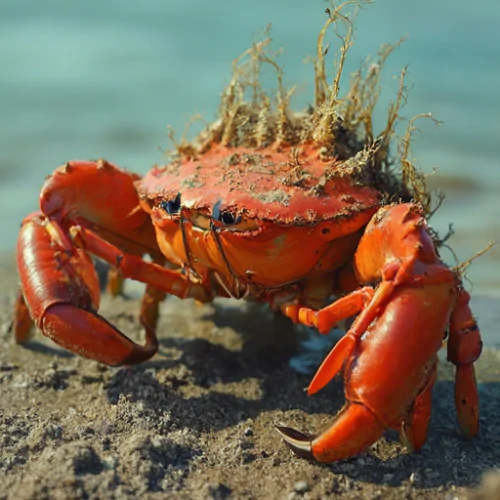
{"points": [[197, 420]]}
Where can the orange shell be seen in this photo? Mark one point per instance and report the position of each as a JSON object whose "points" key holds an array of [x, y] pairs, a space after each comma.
{"points": [[287, 186]]}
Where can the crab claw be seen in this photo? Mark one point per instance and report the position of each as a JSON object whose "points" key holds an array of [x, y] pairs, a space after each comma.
{"points": [[354, 429], [62, 296], [299, 443]]}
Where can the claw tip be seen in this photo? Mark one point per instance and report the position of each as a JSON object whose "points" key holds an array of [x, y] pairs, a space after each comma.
{"points": [[298, 442]]}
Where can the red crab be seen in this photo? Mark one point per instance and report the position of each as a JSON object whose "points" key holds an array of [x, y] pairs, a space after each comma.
{"points": [[281, 208]]}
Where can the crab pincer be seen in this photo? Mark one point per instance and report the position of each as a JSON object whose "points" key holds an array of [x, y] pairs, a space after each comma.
{"points": [[59, 286], [389, 356]]}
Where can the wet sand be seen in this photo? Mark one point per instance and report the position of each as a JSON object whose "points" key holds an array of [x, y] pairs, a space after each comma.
{"points": [[197, 420]]}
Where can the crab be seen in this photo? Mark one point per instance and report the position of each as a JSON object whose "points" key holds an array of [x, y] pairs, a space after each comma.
{"points": [[289, 209]]}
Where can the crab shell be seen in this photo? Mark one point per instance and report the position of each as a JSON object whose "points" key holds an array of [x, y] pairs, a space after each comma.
{"points": [[264, 218]]}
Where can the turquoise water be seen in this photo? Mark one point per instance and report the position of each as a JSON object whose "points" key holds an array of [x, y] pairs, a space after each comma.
{"points": [[103, 79]]}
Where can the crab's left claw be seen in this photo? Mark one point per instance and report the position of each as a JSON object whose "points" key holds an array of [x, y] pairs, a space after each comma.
{"points": [[354, 429], [299, 443]]}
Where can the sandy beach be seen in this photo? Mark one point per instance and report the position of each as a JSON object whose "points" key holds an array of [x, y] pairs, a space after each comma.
{"points": [[197, 420]]}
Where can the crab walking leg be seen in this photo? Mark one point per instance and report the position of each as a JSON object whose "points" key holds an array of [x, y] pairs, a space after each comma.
{"points": [[413, 429], [22, 324], [335, 359], [150, 307], [325, 319], [115, 282], [159, 280], [134, 267], [464, 348]]}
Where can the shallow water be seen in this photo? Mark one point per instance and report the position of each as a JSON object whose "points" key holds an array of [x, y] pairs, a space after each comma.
{"points": [[103, 79]]}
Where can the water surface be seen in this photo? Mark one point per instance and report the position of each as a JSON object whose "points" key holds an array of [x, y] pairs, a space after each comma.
{"points": [[103, 79]]}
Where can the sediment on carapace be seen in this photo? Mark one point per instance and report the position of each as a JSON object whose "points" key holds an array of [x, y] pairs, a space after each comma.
{"points": [[340, 128]]}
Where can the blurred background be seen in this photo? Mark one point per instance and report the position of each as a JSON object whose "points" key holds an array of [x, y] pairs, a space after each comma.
{"points": [[103, 79]]}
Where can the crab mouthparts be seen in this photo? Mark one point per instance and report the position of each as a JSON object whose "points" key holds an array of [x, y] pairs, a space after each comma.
{"points": [[299, 443]]}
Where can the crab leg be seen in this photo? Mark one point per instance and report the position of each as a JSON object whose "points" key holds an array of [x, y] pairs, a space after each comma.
{"points": [[413, 429], [132, 266], [325, 319], [160, 280], [22, 324], [115, 281], [464, 348]]}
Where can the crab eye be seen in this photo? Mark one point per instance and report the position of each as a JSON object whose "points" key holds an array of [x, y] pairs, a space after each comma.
{"points": [[227, 218], [172, 207]]}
